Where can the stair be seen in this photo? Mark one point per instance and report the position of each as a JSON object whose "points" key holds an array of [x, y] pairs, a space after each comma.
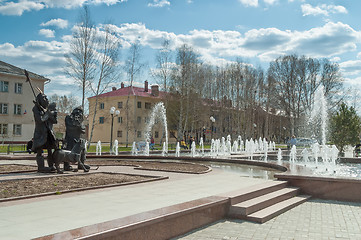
{"points": [[261, 203]]}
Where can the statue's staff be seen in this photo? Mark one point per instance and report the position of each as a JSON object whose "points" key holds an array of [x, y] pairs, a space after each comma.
{"points": [[28, 80], [36, 100], [39, 105]]}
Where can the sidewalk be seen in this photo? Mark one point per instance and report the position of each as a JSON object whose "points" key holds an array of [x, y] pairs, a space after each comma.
{"points": [[315, 219], [32, 218]]}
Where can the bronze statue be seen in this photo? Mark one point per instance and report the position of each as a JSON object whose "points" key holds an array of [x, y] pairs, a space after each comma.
{"points": [[45, 116], [44, 137], [75, 131], [73, 156]]}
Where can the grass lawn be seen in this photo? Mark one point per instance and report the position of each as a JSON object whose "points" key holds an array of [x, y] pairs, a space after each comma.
{"points": [[105, 148]]}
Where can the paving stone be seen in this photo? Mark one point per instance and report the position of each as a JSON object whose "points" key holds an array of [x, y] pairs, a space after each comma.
{"points": [[315, 219]]}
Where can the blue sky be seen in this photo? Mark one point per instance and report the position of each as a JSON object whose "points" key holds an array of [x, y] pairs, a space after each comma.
{"points": [[35, 33]]}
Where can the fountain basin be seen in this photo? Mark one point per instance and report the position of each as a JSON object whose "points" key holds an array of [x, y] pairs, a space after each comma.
{"points": [[331, 188]]}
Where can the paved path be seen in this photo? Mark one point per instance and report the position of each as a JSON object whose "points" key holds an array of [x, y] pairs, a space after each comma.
{"points": [[315, 219], [43, 216]]}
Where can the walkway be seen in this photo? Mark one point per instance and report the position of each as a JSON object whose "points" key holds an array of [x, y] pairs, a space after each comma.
{"points": [[43, 216], [314, 219]]}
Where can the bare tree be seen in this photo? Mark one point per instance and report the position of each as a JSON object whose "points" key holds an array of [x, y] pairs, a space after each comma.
{"points": [[82, 55], [297, 79], [93, 59], [64, 104], [107, 70], [133, 67], [164, 65], [182, 80]]}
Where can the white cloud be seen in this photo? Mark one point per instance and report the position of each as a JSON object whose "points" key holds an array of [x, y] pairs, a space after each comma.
{"points": [[44, 58], [60, 23], [351, 68], [359, 55], [265, 38], [216, 47], [68, 4], [326, 41], [267, 44], [18, 8], [270, 2], [249, 3], [335, 59], [47, 33], [159, 3], [322, 9]]}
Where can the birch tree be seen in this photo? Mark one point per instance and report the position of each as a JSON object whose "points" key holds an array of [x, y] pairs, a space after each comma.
{"points": [[82, 54], [133, 67]]}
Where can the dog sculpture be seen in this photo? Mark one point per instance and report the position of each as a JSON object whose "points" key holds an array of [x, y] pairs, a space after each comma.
{"points": [[73, 156]]}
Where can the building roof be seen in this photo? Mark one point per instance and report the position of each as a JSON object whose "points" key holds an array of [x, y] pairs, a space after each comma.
{"points": [[11, 69], [134, 91]]}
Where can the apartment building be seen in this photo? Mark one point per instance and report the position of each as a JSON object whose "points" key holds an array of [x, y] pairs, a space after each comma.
{"points": [[140, 104], [16, 103]]}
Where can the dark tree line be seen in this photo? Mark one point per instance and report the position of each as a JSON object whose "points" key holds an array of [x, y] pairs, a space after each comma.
{"points": [[245, 100]]}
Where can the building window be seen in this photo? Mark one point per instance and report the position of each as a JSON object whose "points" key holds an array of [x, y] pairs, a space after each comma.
{"points": [[17, 109], [120, 134], [101, 120], [148, 105], [146, 120], [120, 104], [101, 105], [156, 134], [139, 119], [139, 104], [3, 108], [139, 134], [17, 129], [4, 129], [18, 88], [4, 86], [120, 119]]}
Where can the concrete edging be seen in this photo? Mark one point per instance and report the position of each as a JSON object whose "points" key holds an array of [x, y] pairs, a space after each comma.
{"points": [[330, 188]]}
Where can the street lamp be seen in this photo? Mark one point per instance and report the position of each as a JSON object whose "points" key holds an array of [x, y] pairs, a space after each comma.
{"points": [[112, 112], [213, 120]]}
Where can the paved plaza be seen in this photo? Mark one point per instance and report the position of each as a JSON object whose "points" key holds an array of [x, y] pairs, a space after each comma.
{"points": [[315, 219]]}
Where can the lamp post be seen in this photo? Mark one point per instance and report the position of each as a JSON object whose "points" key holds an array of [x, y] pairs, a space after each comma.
{"points": [[213, 120], [112, 112]]}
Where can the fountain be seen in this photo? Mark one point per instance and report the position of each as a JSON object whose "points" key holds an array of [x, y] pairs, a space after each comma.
{"points": [[293, 155], [134, 149], [193, 149], [177, 150], [115, 147], [265, 149], [98, 148], [201, 144], [164, 149], [319, 113], [279, 156], [158, 112], [146, 148], [305, 155]]}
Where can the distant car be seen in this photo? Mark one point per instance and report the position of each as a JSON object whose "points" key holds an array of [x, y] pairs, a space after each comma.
{"points": [[305, 142]]}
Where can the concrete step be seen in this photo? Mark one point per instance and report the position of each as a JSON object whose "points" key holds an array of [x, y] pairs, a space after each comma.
{"points": [[254, 191], [272, 211], [261, 202]]}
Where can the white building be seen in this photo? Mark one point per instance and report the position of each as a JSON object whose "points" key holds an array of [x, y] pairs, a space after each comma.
{"points": [[16, 103]]}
